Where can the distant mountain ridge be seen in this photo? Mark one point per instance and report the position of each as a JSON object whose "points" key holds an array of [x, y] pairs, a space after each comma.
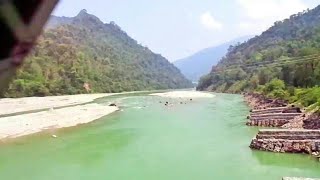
{"points": [[200, 63], [82, 51]]}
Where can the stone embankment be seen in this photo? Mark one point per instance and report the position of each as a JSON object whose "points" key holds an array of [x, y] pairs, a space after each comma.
{"points": [[273, 117], [311, 122], [299, 133], [298, 178], [287, 141]]}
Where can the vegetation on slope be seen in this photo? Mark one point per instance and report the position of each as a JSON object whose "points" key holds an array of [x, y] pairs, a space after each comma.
{"points": [[283, 62], [84, 52]]}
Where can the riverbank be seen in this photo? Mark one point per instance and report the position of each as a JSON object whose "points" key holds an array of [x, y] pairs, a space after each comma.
{"points": [[55, 112], [26, 124], [259, 101], [18, 105]]}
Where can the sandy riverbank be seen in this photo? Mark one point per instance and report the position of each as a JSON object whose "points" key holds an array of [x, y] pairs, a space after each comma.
{"points": [[16, 105], [184, 94], [20, 125]]}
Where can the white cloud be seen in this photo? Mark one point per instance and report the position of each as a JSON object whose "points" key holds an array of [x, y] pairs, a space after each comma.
{"points": [[260, 15], [208, 21], [271, 9]]}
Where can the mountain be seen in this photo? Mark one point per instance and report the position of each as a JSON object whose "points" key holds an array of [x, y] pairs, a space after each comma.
{"points": [[82, 54], [56, 21], [279, 62], [199, 64]]}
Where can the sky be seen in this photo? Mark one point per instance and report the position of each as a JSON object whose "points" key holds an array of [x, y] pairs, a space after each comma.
{"points": [[178, 28]]}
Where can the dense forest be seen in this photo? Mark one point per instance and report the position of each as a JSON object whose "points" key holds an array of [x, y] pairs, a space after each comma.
{"points": [[283, 62], [84, 55]]}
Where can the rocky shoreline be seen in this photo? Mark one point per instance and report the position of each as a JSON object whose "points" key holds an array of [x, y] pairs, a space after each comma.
{"points": [[258, 101], [299, 132], [287, 141]]}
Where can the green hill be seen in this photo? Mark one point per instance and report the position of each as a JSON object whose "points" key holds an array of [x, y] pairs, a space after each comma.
{"points": [[82, 50], [279, 62]]}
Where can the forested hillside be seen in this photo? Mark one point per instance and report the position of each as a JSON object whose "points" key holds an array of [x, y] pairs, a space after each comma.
{"points": [[282, 62], [200, 63], [82, 54]]}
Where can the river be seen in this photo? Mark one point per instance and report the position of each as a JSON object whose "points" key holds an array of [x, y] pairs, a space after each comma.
{"points": [[204, 139]]}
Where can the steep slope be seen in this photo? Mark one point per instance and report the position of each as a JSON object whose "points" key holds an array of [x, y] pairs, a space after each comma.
{"points": [[288, 51], [82, 54], [199, 64]]}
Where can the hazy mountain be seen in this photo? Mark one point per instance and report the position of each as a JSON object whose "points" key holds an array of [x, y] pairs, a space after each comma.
{"points": [[55, 21], [83, 51], [200, 63]]}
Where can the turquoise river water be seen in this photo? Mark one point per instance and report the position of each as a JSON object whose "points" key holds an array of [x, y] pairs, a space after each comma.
{"points": [[204, 139]]}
